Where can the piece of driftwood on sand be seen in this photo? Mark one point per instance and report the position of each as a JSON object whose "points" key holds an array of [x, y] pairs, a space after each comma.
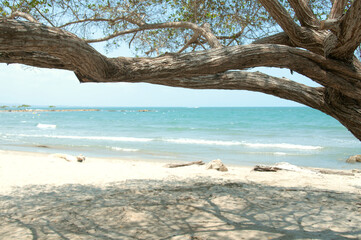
{"points": [[175, 165], [290, 167]]}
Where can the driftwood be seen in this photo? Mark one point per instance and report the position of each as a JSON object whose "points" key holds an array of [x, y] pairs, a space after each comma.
{"points": [[290, 167], [70, 158], [264, 168], [175, 165], [336, 172]]}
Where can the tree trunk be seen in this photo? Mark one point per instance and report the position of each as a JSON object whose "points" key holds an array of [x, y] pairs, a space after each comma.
{"points": [[346, 110]]}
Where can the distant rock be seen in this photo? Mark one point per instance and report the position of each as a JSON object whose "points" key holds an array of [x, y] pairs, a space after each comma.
{"points": [[354, 159], [80, 158], [70, 158], [217, 165], [144, 110]]}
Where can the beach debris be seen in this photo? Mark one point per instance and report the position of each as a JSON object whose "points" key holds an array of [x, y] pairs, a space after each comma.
{"points": [[336, 172], [265, 168], [281, 166], [289, 167], [175, 165], [218, 165], [42, 146], [80, 158], [354, 159], [70, 158]]}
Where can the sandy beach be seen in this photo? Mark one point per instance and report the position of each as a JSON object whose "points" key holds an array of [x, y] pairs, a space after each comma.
{"points": [[46, 197]]}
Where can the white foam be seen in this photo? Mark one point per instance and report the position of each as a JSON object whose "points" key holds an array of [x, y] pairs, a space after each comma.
{"points": [[46, 126], [203, 142], [117, 139], [238, 143], [282, 146], [280, 153], [124, 149]]}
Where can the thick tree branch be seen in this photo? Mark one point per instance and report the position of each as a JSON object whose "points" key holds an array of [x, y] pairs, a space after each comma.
{"points": [[252, 81], [282, 17], [349, 35], [48, 42], [338, 8], [304, 13], [204, 31], [301, 37], [279, 38]]}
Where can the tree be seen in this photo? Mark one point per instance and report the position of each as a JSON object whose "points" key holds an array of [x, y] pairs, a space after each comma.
{"points": [[24, 106], [211, 44]]}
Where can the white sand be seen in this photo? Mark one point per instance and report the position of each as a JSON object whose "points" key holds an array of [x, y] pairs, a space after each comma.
{"points": [[44, 197]]}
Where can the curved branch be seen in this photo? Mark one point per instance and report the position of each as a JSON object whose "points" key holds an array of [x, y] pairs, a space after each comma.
{"points": [[304, 13], [26, 16], [212, 40], [251, 81]]}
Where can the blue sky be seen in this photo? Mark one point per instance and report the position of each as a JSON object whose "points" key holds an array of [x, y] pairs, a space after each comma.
{"points": [[34, 86]]}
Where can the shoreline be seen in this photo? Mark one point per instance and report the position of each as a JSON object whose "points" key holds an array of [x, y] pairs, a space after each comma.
{"points": [[19, 168], [46, 197]]}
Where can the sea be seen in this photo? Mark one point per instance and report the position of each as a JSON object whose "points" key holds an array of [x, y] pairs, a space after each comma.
{"points": [[237, 135]]}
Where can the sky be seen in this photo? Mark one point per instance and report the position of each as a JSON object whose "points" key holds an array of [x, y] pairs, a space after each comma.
{"points": [[21, 84]]}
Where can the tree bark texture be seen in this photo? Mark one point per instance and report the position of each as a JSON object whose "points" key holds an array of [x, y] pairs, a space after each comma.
{"points": [[323, 55]]}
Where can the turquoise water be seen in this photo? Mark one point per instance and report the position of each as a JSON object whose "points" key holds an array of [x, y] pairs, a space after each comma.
{"points": [[242, 136]]}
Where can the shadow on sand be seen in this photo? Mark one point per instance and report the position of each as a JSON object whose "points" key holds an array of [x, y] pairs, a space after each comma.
{"points": [[201, 209]]}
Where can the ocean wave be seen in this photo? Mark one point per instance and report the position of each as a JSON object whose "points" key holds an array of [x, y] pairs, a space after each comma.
{"points": [[238, 143], [124, 149], [202, 142], [287, 146], [117, 139], [282, 146], [46, 126]]}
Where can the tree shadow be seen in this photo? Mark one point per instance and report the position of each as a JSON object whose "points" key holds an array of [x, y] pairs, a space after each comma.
{"points": [[205, 208]]}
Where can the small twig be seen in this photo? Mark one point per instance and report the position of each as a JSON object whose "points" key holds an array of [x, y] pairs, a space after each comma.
{"points": [[130, 43]]}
